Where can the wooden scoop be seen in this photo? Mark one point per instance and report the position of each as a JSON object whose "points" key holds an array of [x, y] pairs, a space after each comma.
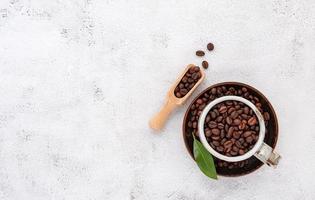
{"points": [[158, 121]]}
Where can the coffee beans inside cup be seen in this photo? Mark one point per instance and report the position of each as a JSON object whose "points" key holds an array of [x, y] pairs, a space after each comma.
{"points": [[231, 128], [189, 80], [215, 92]]}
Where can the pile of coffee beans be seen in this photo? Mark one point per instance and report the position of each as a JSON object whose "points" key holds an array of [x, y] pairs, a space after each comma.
{"points": [[231, 128], [201, 53], [216, 92], [189, 80]]}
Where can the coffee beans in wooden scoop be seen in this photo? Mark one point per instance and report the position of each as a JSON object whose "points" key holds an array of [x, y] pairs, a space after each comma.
{"points": [[189, 80], [232, 128]]}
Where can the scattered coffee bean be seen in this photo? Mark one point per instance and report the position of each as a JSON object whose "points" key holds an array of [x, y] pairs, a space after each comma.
{"points": [[205, 64], [200, 53], [210, 46], [189, 80]]}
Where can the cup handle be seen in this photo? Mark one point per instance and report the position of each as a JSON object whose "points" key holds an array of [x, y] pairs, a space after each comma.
{"points": [[266, 155]]}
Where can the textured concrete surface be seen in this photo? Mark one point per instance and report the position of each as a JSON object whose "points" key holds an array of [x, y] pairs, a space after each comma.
{"points": [[79, 80]]}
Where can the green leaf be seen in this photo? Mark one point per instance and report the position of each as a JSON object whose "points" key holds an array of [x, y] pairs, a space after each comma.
{"points": [[204, 159]]}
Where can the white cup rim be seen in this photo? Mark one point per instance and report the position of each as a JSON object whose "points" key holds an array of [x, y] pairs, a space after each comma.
{"points": [[262, 129]]}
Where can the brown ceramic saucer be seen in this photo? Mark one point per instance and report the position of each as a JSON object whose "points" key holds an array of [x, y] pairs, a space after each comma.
{"points": [[270, 138]]}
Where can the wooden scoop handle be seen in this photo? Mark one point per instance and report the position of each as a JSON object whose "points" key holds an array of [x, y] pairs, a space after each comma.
{"points": [[158, 121]]}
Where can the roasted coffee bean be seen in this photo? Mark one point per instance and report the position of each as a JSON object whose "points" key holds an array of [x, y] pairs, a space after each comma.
{"points": [[220, 126], [208, 133], [230, 132], [212, 124], [227, 151], [222, 134], [244, 89], [178, 94], [214, 91], [228, 144], [210, 46], [241, 152], [199, 101], [219, 91], [222, 109], [215, 131], [236, 134], [231, 110], [219, 119], [202, 106], [220, 149], [234, 115], [249, 139], [200, 53], [213, 115], [247, 133], [195, 76], [189, 124], [215, 137], [228, 103], [229, 120], [236, 122], [252, 121], [238, 144], [240, 111], [244, 116], [226, 127], [205, 64], [242, 125], [208, 119], [266, 116], [246, 110], [235, 148], [183, 91], [223, 141], [216, 143], [251, 112]]}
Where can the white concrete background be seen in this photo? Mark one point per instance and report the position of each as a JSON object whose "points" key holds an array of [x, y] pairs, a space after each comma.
{"points": [[79, 80]]}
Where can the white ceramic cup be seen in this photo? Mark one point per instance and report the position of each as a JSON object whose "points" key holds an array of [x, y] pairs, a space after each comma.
{"points": [[260, 150]]}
